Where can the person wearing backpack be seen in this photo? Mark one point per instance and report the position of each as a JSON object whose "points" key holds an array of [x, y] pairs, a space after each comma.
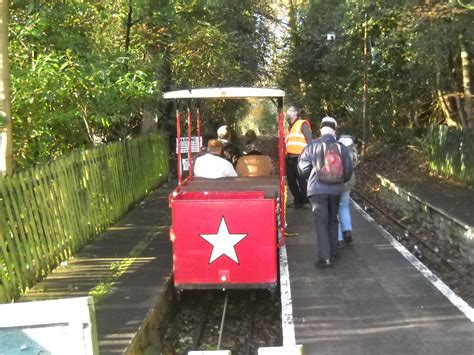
{"points": [[345, 221], [327, 165]]}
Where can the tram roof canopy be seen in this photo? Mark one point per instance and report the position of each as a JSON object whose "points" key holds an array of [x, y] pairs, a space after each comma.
{"points": [[224, 93]]}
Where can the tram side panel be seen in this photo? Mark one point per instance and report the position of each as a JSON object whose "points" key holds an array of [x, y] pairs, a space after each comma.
{"points": [[224, 240]]}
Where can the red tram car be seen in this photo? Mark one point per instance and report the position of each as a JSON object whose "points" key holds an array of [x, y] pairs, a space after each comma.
{"points": [[225, 232]]}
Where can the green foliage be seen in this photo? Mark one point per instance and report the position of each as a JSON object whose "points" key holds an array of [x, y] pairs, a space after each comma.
{"points": [[73, 83], [451, 153], [86, 72], [414, 52], [261, 117], [218, 45], [3, 120]]}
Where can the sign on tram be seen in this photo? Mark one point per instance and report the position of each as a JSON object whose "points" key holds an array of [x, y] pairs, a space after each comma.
{"points": [[185, 164], [194, 144]]}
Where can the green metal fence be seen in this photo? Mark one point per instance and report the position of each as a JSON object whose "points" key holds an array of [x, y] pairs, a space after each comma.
{"points": [[49, 212], [452, 153]]}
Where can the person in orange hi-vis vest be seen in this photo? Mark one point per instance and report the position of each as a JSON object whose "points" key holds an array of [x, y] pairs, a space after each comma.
{"points": [[298, 135]]}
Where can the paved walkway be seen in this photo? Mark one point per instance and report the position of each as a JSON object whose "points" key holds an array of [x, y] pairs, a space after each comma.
{"points": [[373, 300], [126, 269]]}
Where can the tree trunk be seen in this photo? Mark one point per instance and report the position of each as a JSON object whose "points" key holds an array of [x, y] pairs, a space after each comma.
{"points": [[295, 39], [448, 117], [293, 22], [129, 26], [89, 133], [6, 149], [460, 110], [442, 102], [128, 31], [466, 81]]}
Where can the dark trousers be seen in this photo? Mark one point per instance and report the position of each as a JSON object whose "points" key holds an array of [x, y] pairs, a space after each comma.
{"points": [[325, 209], [296, 183]]}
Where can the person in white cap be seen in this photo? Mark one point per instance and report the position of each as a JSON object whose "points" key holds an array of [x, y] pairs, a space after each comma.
{"points": [[325, 184]]}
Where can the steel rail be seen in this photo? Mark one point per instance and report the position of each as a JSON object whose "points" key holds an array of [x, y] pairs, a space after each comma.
{"points": [[253, 298], [221, 329], [200, 330]]}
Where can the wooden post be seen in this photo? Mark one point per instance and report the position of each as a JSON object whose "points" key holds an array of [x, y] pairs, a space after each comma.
{"points": [[5, 109]]}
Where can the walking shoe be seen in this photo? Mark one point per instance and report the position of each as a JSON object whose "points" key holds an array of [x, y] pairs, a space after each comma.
{"points": [[340, 244], [323, 263], [347, 237]]}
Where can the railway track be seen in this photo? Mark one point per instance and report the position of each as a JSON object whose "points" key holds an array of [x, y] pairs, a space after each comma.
{"points": [[419, 239], [423, 246], [229, 320]]}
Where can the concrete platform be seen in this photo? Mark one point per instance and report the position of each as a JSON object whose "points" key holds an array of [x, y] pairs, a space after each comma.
{"points": [[373, 300], [126, 269], [442, 207], [452, 199]]}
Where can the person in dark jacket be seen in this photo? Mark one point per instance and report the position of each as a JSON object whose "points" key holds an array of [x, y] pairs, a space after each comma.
{"points": [[324, 197], [230, 151]]}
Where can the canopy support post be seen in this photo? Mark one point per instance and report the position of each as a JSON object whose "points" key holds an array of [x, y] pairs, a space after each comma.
{"points": [[199, 127], [178, 142], [281, 156], [190, 154]]}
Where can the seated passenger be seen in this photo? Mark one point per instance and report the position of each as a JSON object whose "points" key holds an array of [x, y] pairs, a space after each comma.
{"points": [[212, 165], [230, 151], [249, 141], [206, 137], [254, 164]]}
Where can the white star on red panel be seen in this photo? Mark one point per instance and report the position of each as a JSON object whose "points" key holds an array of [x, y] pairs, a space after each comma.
{"points": [[223, 243]]}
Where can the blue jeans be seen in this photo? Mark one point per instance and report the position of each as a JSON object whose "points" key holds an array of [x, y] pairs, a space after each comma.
{"points": [[344, 214]]}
